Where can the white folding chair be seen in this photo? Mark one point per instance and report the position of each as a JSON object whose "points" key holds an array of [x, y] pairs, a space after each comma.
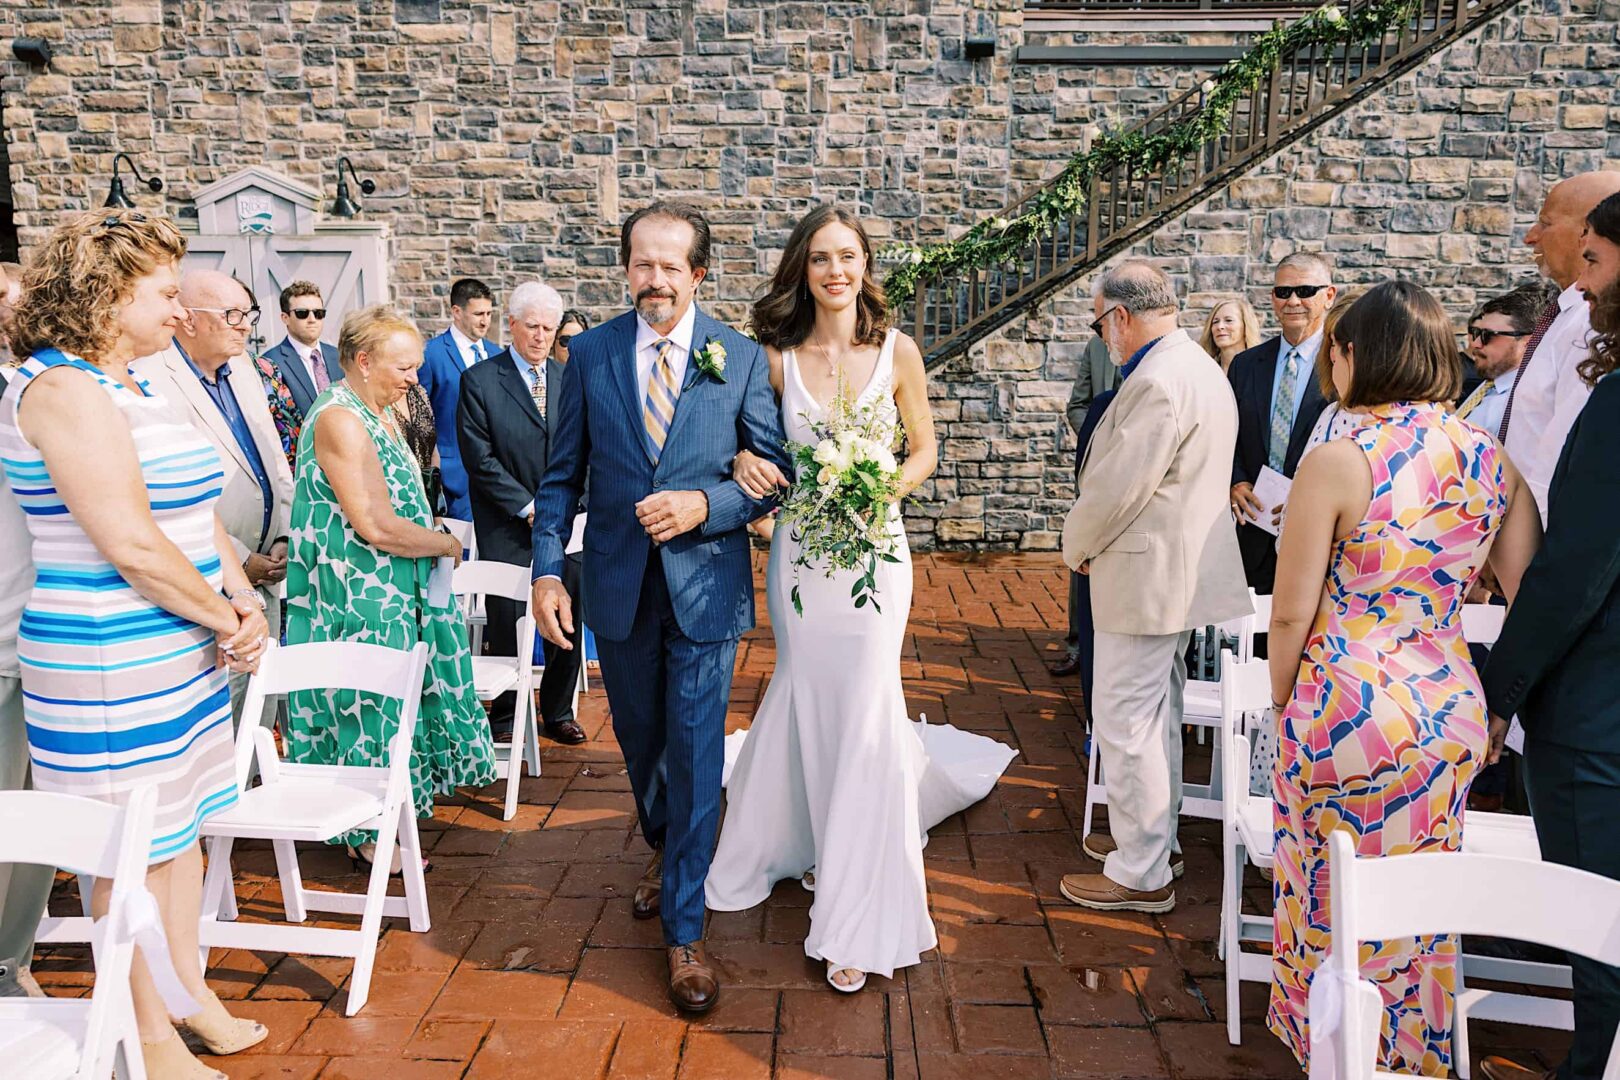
{"points": [[318, 803], [1375, 899], [89, 1038], [473, 607], [1201, 707], [1246, 830], [496, 675]]}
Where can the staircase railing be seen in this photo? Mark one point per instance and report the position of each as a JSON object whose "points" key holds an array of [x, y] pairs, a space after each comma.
{"points": [[1307, 86]]}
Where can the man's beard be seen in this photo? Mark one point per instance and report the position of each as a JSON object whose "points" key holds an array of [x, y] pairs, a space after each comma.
{"points": [[654, 306]]}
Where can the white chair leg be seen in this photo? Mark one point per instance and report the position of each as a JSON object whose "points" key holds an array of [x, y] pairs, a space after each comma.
{"points": [[87, 889], [1093, 782], [1231, 937], [410, 861], [218, 887], [365, 953], [292, 882], [1460, 1056], [531, 741]]}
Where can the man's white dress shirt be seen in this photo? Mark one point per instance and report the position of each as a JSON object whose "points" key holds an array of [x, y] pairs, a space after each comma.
{"points": [[1550, 396], [647, 340], [466, 347]]}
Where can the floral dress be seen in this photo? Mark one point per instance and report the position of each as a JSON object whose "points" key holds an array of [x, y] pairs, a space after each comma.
{"points": [[283, 409], [1386, 727], [340, 588]]}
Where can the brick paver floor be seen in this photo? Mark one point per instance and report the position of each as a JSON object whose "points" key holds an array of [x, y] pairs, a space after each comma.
{"points": [[535, 967]]}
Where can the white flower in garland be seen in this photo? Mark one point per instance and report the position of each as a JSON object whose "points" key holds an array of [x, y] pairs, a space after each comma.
{"points": [[1208, 87], [1331, 15]]}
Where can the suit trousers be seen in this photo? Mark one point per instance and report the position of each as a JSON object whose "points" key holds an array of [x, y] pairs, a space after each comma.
{"points": [[24, 888], [1574, 797], [1139, 682], [562, 665], [668, 696]]}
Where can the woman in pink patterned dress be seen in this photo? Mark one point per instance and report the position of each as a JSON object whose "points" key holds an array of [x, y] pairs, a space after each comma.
{"points": [[1382, 721]]}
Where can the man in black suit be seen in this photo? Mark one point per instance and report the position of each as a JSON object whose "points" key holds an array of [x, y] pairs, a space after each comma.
{"points": [[1278, 401], [1554, 667], [503, 426]]}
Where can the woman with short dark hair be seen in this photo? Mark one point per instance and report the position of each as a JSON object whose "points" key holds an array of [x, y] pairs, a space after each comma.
{"points": [[1381, 720]]}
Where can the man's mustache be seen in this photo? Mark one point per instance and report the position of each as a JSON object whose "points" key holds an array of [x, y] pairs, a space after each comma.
{"points": [[654, 294]]}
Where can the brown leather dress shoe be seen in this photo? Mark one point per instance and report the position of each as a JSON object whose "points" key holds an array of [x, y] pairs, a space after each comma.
{"points": [[566, 732], [1067, 667], [1101, 893], [1100, 845], [692, 985], [644, 905], [1500, 1068]]}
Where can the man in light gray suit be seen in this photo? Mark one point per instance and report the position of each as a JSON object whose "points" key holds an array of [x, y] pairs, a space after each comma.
{"points": [[1153, 529]]}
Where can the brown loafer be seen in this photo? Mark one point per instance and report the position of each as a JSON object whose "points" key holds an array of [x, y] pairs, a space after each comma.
{"points": [[1101, 893], [1500, 1068], [692, 985], [1099, 845], [644, 905], [566, 732]]}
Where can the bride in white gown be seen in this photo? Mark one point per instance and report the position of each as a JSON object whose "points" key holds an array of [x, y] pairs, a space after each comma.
{"points": [[833, 776]]}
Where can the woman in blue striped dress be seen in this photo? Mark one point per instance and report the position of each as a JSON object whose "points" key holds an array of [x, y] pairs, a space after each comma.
{"points": [[127, 639]]}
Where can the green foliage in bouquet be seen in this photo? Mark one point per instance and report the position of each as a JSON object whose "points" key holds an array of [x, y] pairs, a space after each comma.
{"points": [[839, 507]]}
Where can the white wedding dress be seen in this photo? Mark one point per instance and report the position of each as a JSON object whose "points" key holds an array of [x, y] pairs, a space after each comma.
{"points": [[833, 774]]}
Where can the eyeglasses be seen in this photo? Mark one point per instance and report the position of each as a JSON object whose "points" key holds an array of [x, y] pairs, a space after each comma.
{"points": [[1304, 292], [1485, 337], [126, 221], [234, 316], [306, 312], [1097, 325], [564, 339]]}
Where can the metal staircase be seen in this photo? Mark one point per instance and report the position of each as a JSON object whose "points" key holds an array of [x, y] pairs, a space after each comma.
{"points": [[1307, 87]]}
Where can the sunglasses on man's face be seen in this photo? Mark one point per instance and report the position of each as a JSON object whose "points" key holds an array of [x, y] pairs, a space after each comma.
{"points": [[564, 339], [306, 312], [1304, 292], [1485, 337]]}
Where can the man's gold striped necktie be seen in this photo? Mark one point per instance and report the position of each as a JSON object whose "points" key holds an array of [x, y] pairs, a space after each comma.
{"points": [[658, 412]]}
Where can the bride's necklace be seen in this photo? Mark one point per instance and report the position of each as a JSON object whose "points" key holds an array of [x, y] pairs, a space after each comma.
{"points": [[835, 367]]}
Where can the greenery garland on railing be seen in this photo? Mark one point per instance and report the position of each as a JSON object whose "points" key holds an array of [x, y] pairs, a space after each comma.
{"points": [[999, 240]]}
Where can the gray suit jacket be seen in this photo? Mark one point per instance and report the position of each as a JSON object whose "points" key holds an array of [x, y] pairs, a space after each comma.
{"points": [[1097, 375]]}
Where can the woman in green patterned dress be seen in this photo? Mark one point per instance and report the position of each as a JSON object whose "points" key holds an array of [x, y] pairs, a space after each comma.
{"points": [[360, 550]]}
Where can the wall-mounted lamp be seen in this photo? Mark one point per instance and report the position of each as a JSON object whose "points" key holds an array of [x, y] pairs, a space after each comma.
{"points": [[344, 206], [979, 36], [33, 51], [116, 195]]}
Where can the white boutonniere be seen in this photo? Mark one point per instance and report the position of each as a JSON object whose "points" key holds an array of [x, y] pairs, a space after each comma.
{"points": [[711, 360]]}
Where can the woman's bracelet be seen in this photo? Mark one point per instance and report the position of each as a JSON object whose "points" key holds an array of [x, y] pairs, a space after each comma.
{"points": [[1279, 706], [250, 592]]}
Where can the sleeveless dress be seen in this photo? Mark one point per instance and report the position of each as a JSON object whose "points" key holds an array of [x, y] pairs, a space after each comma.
{"points": [[1386, 728], [833, 774], [340, 588], [119, 693]]}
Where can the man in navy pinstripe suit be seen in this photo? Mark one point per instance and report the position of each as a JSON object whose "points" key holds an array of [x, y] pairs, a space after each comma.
{"points": [[656, 404]]}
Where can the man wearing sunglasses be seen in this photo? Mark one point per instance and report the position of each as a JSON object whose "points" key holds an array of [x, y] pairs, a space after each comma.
{"points": [[1497, 336], [1278, 402], [306, 364]]}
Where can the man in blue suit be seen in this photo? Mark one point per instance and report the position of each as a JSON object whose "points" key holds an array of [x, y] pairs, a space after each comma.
{"points": [[306, 364], [656, 403], [444, 358]]}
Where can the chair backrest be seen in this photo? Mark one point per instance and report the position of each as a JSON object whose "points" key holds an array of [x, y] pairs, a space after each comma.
{"points": [[485, 577], [1375, 899], [1245, 692], [1262, 611], [1482, 623], [332, 665]]}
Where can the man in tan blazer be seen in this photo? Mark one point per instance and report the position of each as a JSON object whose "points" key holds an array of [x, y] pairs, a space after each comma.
{"points": [[1153, 529], [208, 380]]}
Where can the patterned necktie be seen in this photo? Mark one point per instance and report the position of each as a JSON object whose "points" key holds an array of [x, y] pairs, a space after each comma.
{"points": [[1282, 412], [317, 367], [1473, 400], [1543, 324], [537, 388], [659, 411]]}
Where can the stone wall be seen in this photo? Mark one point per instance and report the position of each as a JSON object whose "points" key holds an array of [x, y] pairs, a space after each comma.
{"points": [[508, 139]]}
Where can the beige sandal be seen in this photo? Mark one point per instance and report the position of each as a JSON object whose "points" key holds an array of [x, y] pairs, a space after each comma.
{"points": [[221, 1032], [171, 1059]]}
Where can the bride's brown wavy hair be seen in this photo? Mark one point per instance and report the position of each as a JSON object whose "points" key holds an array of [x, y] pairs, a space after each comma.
{"points": [[784, 315]]}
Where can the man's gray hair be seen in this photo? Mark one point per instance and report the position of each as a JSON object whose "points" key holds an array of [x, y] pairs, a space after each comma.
{"points": [[1136, 286], [1308, 262], [534, 298]]}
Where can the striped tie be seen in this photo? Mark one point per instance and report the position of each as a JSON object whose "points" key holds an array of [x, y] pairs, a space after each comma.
{"points": [[659, 411], [1473, 400]]}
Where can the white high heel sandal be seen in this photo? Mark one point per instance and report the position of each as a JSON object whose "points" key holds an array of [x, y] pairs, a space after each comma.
{"points": [[843, 988], [809, 880]]}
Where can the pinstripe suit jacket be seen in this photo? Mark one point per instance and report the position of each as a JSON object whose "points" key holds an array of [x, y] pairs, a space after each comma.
{"points": [[598, 426]]}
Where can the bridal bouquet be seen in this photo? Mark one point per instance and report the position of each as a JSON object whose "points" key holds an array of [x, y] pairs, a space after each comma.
{"points": [[838, 507]]}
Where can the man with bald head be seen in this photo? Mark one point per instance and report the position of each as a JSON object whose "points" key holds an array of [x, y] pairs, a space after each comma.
{"points": [[208, 380], [1550, 393]]}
